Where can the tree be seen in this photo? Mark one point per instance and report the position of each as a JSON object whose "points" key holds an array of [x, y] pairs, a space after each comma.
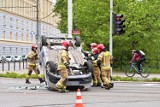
{"points": [[142, 24]]}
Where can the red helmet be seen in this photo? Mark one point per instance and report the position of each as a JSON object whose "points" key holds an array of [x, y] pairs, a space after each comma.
{"points": [[34, 46], [95, 50], [93, 45], [100, 47], [65, 44]]}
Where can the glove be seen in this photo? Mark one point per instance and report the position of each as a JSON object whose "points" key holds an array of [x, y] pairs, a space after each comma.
{"points": [[66, 64], [89, 59], [35, 55], [99, 62]]}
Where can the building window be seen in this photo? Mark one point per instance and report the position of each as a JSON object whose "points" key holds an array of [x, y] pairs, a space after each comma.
{"points": [[10, 50], [22, 36], [11, 22], [17, 23], [16, 36], [4, 50], [16, 50], [11, 35], [27, 37], [4, 34], [4, 21], [22, 25], [27, 26]]}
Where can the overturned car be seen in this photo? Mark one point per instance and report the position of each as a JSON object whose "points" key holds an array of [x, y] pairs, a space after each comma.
{"points": [[79, 70]]}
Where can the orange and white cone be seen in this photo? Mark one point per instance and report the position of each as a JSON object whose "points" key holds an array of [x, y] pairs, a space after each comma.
{"points": [[79, 99]]}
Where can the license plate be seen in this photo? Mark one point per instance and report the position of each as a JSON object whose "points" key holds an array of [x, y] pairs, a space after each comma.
{"points": [[73, 83]]}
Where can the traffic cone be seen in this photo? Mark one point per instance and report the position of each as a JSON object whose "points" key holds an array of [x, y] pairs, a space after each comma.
{"points": [[78, 99]]}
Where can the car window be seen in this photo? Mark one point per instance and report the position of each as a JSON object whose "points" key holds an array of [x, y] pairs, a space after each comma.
{"points": [[8, 56]]}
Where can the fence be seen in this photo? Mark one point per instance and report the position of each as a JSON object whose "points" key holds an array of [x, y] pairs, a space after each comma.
{"points": [[13, 66]]}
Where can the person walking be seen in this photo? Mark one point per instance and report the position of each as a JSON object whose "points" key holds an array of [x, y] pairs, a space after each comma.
{"points": [[62, 67], [33, 59]]}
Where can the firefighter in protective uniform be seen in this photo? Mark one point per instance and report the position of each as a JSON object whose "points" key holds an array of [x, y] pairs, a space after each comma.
{"points": [[90, 54], [33, 57], [96, 73], [62, 67], [103, 61]]}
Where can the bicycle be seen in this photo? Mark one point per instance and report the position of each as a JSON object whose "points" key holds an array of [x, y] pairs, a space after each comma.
{"points": [[132, 70]]}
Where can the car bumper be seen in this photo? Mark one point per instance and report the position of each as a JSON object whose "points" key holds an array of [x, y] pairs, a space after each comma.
{"points": [[84, 80]]}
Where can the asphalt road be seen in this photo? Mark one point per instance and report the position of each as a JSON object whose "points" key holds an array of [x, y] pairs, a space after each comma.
{"points": [[124, 94]]}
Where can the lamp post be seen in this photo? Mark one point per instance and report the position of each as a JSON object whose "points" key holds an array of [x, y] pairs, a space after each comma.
{"points": [[38, 27], [70, 22], [110, 46]]}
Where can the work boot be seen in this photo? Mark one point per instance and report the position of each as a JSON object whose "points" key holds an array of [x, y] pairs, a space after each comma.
{"points": [[41, 80], [99, 84], [63, 90], [28, 82], [111, 85], [107, 86]]}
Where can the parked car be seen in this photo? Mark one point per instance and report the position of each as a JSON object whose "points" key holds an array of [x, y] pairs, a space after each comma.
{"points": [[2, 58], [18, 58], [24, 57], [10, 58]]}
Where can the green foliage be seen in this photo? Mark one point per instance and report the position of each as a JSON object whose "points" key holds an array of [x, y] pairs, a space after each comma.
{"points": [[92, 18]]}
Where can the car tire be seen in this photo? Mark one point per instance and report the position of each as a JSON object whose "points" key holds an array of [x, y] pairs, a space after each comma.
{"points": [[77, 41], [52, 67], [89, 66], [43, 41]]}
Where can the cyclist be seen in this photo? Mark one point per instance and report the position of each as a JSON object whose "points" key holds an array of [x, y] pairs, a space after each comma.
{"points": [[138, 59]]}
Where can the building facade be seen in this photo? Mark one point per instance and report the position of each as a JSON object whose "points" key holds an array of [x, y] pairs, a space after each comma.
{"points": [[18, 24]]}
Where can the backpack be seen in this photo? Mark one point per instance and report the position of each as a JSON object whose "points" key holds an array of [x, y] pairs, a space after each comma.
{"points": [[141, 53]]}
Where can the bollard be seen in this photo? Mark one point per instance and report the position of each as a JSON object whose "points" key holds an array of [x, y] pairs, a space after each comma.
{"points": [[19, 65], [3, 65], [23, 63], [14, 65], [8, 66]]}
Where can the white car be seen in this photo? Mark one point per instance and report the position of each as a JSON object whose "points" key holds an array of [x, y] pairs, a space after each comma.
{"points": [[18, 58], [2, 58], [10, 58], [24, 57]]}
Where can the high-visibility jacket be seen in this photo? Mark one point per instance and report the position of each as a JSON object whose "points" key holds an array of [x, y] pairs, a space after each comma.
{"points": [[33, 57], [105, 58], [63, 58]]}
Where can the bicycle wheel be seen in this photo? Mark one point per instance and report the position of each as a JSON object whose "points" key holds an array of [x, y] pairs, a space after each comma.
{"points": [[145, 72], [129, 71]]}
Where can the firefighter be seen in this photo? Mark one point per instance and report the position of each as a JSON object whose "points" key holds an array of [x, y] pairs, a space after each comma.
{"points": [[103, 61], [93, 45], [88, 55], [33, 57], [96, 73], [62, 67]]}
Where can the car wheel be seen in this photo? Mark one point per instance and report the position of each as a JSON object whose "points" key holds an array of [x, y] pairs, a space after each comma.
{"points": [[50, 67], [89, 67], [43, 41], [77, 41]]}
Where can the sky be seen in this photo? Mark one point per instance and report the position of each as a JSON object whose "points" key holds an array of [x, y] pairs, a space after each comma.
{"points": [[54, 1]]}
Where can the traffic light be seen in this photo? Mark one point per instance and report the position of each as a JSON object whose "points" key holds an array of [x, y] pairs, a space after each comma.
{"points": [[118, 24]]}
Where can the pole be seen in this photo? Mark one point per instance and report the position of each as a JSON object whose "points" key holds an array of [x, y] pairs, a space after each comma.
{"points": [[70, 18], [38, 27], [111, 11]]}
